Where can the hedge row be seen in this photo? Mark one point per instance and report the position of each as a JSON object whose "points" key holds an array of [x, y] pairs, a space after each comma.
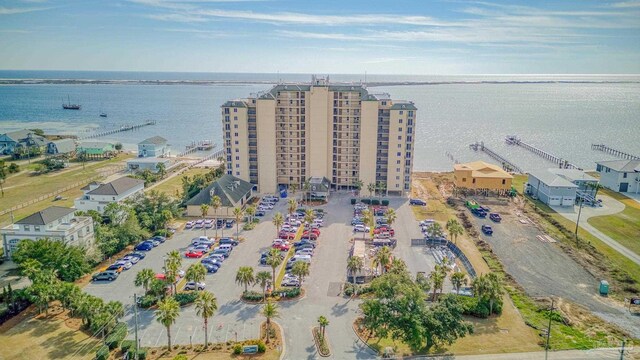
{"points": [[116, 336], [479, 307], [186, 298], [252, 296]]}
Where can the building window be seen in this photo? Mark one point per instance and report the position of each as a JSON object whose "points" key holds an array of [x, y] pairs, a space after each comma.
{"points": [[464, 179], [238, 173], [237, 150], [235, 110], [399, 154], [235, 134], [26, 228], [401, 112], [236, 142], [399, 146], [474, 181], [399, 129], [399, 137], [504, 181], [36, 228], [237, 165], [237, 157], [235, 118], [235, 126], [624, 175]]}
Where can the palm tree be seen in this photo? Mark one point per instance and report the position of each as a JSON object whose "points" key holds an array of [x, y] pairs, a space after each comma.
{"points": [[245, 277], [300, 269], [380, 187], [3, 175], [196, 272], [323, 322], [274, 260], [371, 188], [167, 314], [206, 305], [114, 309], [367, 218], [263, 278], [251, 210], [382, 258], [238, 214], [358, 184], [293, 188], [173, 263], [66, 294], [309, 216], [292, 204], [435, 230], [270, 311], [307, 189], [390, 216], [595, 186], [457, 280], [494, 291], [278, 220], [143, 278], [355, 264], [455, 231], [204, 209], [216, 203], [437, 277], [162, 170]]}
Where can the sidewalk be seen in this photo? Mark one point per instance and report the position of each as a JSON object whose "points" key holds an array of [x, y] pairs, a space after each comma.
{"points": [[604, 353]]}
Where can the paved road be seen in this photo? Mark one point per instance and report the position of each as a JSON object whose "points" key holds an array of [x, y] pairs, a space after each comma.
{"points": [[599, 354]]}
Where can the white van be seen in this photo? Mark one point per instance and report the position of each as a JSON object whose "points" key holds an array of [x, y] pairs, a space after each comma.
{"points": [[226, 247]]}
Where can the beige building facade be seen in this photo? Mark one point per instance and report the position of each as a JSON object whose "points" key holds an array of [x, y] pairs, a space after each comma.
{"points": [[293, 132]]}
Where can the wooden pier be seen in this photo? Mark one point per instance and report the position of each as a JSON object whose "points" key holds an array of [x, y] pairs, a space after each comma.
{"points": [[562, 163], [121, 129], [506, 164], [202, 145], [617, 153]]}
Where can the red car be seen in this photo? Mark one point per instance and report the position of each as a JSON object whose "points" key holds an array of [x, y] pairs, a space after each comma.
{"points": [[194, 254], [287, 235], [384, 229], [313, 232], [281, 245], [310, 236]]}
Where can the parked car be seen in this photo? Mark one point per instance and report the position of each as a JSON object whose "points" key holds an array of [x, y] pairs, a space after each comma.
{"points": [[221, 252], [132, 259], [427, 222], [193, 254], [487, 229], [202, 248], [116, 268], [226, 247], [290, 281], [220, 257], [479, 212], [144, 246], [310, 236], [162, 239], [418, 202], [153, 242], [357, 221], [495, 217], [140, 255], [212, 269], [361, 228], [287, 235], [265, 254], [229, 241], [105, 275], [260, 213], [384, 229], [281, 245], [229, 223], [188, 225], [192, 285], [126, 265], [213, 261], [306, 246], [302, 242], [305, 252]]}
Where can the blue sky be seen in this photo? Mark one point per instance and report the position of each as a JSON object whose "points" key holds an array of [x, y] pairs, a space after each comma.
{"points": [[347, 36]]}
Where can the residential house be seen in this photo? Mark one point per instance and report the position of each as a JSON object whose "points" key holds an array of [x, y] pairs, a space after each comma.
{"points": [[148, 163], [10, 141], [156, 146], [61, 147], [55, 222], [233, 192], [551, 188], [481, 176], [96, 149], [620, 175], [97, 196]]}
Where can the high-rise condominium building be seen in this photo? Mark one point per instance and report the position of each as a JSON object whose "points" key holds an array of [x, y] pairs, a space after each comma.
{"points": [[293, 132]]}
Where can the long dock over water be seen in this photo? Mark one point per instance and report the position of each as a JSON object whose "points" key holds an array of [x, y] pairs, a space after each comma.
{"points": [[506, 164], [564, 164], [621, 154], [121, 129]]}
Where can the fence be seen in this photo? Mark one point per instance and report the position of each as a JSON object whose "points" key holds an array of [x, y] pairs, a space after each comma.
{"points": [[59, 191], [454, 249]]}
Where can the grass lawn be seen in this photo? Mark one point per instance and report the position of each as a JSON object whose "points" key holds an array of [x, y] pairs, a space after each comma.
{"points": [[174, 184], [46, 338], [623, 227]]}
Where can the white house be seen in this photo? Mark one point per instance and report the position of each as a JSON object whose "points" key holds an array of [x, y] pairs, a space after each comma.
{"points": [[156, 146], [97, 196], [55, 222], [149, 163], [620, 175], [555, 186]]}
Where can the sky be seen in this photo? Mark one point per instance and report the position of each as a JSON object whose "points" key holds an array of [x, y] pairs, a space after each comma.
{"points": [[323, 36]]}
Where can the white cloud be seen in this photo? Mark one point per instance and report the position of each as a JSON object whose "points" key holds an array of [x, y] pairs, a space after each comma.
{"points": [[20, 10], [627, 4]]}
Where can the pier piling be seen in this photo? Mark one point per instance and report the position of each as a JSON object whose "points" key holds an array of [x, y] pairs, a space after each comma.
{"points": [[617, 153], [121, 129], [564, 164], [506, 164]]}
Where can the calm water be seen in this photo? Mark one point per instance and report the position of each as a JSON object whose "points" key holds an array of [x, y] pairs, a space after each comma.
{"points": [[563, 118]]}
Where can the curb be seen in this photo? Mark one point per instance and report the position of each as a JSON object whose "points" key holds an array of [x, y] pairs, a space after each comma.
{"points": [[353, 327], [284, 342], [315, 340]]}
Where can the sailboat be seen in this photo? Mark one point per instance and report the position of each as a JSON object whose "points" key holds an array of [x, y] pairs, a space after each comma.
{"points": [[69, 105], [102, 113]]}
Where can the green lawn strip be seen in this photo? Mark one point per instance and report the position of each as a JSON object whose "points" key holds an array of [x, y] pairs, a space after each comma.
{"points": [[623, 227], [170, 186], [292, 250]]}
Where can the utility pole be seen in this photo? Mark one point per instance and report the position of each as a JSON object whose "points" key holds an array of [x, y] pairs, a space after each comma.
{"points": [[622, 351], [546, 347], [578, 220], [135, 317]]}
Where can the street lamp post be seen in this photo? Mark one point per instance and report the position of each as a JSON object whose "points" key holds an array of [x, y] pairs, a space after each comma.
{"points": [[578, 220]]}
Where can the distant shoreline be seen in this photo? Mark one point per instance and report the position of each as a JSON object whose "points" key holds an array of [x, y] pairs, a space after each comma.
{"points": [[254, 82]]}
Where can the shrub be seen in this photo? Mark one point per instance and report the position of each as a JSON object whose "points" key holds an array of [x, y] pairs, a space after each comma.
{"points": [[349, 289], [289, 293], [479, 307], [142, 354], [366, 201], [385, 202], [237, 349], [252, 296], [147, 301], [116, 336], [127, 345], [102, 353], [353, 201], [186, 298], [248, 226], [375, 202], [261, 346], [180, 357], [163, 232]]}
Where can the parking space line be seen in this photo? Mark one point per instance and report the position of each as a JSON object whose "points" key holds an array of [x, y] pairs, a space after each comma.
{"points": [[158, 339], [176, 334]]}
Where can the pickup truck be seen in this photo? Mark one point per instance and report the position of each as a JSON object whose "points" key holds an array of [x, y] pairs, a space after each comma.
{"points": [[487, 229]]}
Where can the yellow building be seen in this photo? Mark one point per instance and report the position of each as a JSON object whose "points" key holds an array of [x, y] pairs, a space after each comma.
{"points": [[481, 176], [293, 132]]}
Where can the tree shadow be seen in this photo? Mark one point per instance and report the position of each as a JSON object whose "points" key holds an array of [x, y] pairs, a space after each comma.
{"points": [[230, 307], [339, 310]]}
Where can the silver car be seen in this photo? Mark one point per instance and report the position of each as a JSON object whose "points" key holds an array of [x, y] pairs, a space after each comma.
{"points": [[192, 285]]}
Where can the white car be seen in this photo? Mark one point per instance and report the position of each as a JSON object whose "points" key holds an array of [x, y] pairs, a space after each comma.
{"points": [[290, 280], [201, 247], [361, 228], [266, 205], [132, 259], [305, 252], [192, 285], [125, 264]]}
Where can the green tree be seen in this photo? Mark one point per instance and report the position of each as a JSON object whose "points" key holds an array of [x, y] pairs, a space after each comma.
{"points": [[309, 216], [358, 184], [307, 189], [390, 216], [245, 277], [367, 219], [458, 279], [162, 170], [293, 188], [278, 220], [300, 269], [437, 277], [151, 206], [371, 187], [66, 293], [381, 186], [274, 260], [216, 203], [204, 209], [398, 266], [173, 263], [238, 214], [382, 258], [488, 287], [423, 282], [69, 261], [323, 322], [263, 278], [435, 230], [292, 204], [167, 314], [206, 305], [270, 311], [143, 278], [3, 175], [355, 264], [196, 272], [251, 211]]}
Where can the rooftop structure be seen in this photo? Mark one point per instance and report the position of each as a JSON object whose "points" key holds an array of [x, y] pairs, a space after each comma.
{"points": [[97, 196]]}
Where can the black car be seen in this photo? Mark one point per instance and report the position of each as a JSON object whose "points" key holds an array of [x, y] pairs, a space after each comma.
{"points": [[229, 241], [419, 202], [211, 262], [105, 275], [211, 268], [144, 246], [162, 239], [260, 213], [140, 255], [222, 252]]}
